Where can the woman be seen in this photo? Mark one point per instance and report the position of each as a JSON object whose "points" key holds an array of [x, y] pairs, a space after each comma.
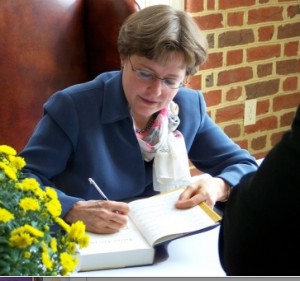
{"points": [[133, 130]]}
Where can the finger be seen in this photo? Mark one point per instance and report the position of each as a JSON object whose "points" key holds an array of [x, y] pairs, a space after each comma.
{"points": [[105, 221], [102, 229], [187, 193], [111, 218], [114, 206], [189, 203]]}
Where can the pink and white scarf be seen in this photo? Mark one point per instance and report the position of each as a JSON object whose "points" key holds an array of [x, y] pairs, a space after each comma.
{"points": [[166, 146]]}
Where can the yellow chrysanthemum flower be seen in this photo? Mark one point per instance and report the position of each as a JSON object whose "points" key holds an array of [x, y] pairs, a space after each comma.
{"points": [[21, 240], [28, 229], [30, 184], [17, 162], [5, 215], [62, 224], [77, 230], [9, 172], [46, 260], [51, 192], [53, 245], [54, 208], [27, 222], [27, 255], [68, 263], [7, 150], [71, 247], [84, 241], [29, 204]]}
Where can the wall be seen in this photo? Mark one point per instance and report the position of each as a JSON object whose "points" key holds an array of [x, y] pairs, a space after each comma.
{"points": [[254, 54]]}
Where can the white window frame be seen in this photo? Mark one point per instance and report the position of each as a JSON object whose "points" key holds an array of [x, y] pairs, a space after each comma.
{"points": [[177, 4]]}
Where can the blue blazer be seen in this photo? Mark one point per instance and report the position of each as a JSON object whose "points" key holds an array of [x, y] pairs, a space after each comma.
{"points": [[87, 131]]}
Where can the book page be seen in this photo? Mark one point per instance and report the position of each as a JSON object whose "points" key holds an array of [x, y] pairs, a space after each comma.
{"points": [[159, 220], [124, 248], [128, 238]]}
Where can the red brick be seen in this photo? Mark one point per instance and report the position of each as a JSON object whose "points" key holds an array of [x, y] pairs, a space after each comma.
{"points": [[292, 11], [234, 94], [234, 75], [262, 107], [264, 124], [242, 143], [263, 15], [194, 82], [194, 6], [212, 21], [214, 60], [264, 69], [290, 84], [235, 19], [229, 4], [235, 38], [286, 101], [263, 52], [265, 33], [276, 137], [234, 57], [213, 97], [259, 143], [291, 48], [289, 30], [211, 4], [261, 89], [287, 119], [229, 113], [233, 131], [288, 66]]}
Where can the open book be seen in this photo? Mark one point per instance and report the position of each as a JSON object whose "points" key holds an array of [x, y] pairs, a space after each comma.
{"points": [[152, 221]]}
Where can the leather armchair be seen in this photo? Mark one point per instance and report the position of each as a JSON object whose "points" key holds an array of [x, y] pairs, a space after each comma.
{"points": [[48, 45]]}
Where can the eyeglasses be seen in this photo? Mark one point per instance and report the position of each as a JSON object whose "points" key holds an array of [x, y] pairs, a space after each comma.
{"points": [[150, 76]]}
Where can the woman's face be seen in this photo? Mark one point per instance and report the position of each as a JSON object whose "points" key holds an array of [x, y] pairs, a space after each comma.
{"points": [[145, 95]]}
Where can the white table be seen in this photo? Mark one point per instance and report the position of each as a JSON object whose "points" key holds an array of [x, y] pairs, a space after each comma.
{"points": [[192, 256]]}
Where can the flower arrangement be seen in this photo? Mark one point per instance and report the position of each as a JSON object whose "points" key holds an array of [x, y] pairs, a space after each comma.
{"points": [[27, 212]]}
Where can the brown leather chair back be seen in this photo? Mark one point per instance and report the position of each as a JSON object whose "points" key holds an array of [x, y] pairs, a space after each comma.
{"points": [[48, 45]]}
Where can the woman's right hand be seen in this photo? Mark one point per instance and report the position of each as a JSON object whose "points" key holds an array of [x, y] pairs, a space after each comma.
{"points": [[99, 216]]}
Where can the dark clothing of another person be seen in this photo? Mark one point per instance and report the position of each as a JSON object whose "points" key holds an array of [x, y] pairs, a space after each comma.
{"points": [[260, 233]]}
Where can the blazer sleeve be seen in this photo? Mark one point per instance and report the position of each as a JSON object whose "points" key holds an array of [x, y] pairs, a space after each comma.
{"points": [[44, 155], [209, 148]]}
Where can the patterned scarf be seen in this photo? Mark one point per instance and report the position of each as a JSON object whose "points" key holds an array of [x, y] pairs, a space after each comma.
{"points": [[166, 145]]}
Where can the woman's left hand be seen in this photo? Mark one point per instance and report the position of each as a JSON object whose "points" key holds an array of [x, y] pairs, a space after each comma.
{"points": [[207, 188]]}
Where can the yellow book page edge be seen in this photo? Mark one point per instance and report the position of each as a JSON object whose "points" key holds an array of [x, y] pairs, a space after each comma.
{"points": [[211, 213]]}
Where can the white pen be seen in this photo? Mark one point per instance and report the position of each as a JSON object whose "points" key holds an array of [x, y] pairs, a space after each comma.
{"points": [[92, 182]]}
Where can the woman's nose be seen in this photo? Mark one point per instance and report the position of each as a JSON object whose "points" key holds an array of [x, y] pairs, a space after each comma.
{"points": [[157, 86]]}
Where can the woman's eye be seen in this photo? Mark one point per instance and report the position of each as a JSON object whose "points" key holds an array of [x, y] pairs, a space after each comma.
{"points": [[171, 82], [146, 75]]}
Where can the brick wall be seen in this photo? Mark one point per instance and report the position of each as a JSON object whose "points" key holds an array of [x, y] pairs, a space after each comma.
{"points": [[254, 49]]}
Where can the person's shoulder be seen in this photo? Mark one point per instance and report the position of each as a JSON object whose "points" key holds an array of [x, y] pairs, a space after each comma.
{"points": [[92, 85], [188, 93], [189, 96]]}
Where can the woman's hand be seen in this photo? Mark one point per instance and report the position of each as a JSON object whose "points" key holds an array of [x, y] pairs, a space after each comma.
{"points": [[99, 216], [207, 188]]}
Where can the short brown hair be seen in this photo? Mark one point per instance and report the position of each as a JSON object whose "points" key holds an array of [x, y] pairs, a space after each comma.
{"points": [[156, 31]]}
